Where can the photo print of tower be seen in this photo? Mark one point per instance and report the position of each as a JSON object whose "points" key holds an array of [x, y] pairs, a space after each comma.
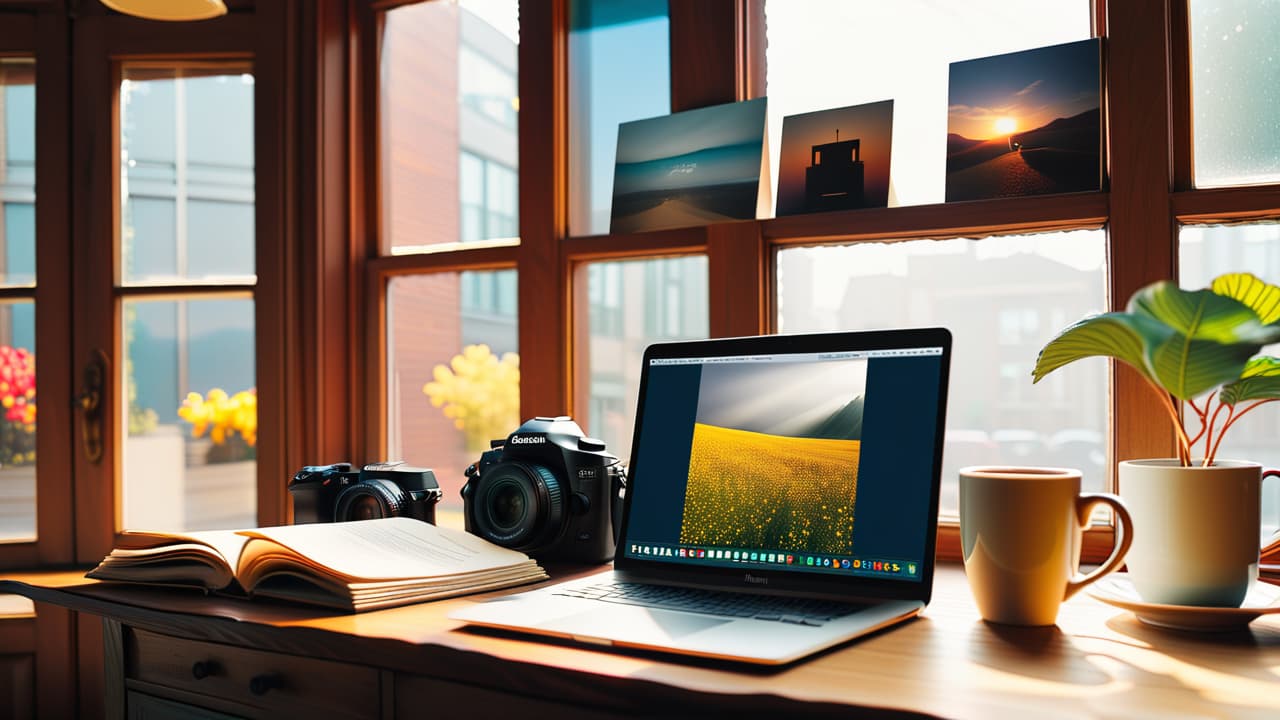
{"points": [[836, 159], [1026, 123], [774, 461]]}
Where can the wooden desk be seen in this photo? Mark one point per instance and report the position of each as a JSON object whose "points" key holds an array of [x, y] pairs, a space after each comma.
{"points": [[1098, 662]]}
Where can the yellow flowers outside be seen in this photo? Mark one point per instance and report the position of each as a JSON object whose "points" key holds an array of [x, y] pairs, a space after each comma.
{"points": [[750, 489], [479, 392], [222, 416]]}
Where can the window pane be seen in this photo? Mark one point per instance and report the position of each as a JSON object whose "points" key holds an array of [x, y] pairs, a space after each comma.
{"points": [[17, 422], [1002, 298], [1235, 71], [867, 43], [189, 459], [453, 383], [448, 108], [17, 171], [1205, 252], [631, 305], [187, 174], [619, 70]]}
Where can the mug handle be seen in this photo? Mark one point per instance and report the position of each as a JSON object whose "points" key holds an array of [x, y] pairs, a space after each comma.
{"points": [[1124, 526], [1269, 473]]}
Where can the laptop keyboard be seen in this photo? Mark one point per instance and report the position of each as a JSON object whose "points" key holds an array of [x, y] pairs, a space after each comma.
{"points": [[800, 611]]}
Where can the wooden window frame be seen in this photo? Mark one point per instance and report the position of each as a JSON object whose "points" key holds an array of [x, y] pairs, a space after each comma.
{"points": [[717, 55]]}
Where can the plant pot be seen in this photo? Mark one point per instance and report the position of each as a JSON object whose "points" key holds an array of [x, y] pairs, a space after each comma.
{"points": [[1197, 530]]}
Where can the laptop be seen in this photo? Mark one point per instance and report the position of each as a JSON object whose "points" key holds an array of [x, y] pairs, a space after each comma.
{"points": [[782, 499]]}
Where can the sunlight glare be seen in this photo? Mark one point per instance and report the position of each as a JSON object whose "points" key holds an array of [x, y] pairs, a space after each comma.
{"points": [[1006, 125]]}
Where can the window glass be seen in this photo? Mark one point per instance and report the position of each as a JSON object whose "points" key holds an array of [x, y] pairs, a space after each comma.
{"points": [[1234, 72], [453, 384], [191, 415], [17, 318], [17, 171], [1205, 252], [831, 53], [1002, 298], [187, 174], [619, 70], [448, 108], [632, 304], [17, 422]]}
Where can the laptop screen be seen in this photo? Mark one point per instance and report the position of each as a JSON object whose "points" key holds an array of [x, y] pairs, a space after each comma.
{"points": [[811, 462]]}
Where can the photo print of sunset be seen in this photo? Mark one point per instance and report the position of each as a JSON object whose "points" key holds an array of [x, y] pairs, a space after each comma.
{"points": [[774, 462], [1026, 123]]}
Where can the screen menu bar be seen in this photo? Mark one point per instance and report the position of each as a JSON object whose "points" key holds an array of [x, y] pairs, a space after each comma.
{"points": [[802, 357], [781, 560]]}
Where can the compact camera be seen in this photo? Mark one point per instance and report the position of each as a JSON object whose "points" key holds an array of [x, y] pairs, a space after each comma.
{"points": [[337, 493], [547, 490]]}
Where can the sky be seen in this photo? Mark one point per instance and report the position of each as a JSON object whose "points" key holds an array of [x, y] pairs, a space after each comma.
{"points": [[998, 96]]}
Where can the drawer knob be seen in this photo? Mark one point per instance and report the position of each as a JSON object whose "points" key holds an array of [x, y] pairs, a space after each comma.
{"points": [[262, 684], [203, 669]]}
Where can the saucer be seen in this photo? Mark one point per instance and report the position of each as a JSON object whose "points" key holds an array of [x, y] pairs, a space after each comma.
{"points": [[1116, 589]]}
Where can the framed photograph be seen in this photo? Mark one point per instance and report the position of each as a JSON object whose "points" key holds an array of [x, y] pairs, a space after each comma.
{"points": [[691, 168], [1026, 123], [835, 159]]}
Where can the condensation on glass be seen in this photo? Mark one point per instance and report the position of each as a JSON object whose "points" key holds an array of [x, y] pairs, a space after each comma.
{"points": [[1205, 252], [17, 317], [449, 112], [832, 53], [619, 70], [453, 384], [187, 174], [631, 304], [190, 409], [1235, 91], [1002, 298]]}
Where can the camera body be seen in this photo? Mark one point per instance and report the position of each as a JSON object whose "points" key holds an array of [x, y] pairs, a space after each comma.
{"points": [[547, 490], [337, 493]]}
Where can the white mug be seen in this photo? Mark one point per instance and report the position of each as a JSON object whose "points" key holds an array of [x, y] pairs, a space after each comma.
{"points": [[1021, 531]]}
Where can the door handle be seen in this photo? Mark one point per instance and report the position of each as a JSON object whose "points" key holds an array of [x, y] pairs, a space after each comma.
{"points": [[89, 402]]}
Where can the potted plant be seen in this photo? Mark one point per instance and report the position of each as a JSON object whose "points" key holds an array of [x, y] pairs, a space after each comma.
{"points": [[1196, 517]]}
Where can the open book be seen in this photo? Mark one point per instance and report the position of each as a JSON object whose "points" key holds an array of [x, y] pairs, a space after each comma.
{"points": [[352, 566]]}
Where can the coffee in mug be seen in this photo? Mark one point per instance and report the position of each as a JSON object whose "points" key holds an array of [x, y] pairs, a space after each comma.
{"points": [[1021, 529]]}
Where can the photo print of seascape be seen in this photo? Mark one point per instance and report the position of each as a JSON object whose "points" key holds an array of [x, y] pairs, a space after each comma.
{"points": [[836, 159], [1026, 123], [690, 168], [774, 462]]}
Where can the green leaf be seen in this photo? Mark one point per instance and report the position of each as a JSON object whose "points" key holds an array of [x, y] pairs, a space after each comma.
{"points": [[1187, 367], [1119, 335], [1258, 295], [1259, 381], [1201, 314]]}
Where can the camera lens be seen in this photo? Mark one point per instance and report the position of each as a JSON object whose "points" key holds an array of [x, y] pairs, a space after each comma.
{"points": [[518, 506], [369, 500]]}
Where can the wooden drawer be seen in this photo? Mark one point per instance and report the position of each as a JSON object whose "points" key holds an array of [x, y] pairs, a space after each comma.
{"points": [[243, 681]]}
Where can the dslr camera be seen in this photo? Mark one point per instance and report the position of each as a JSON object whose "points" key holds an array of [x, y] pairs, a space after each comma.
{"points": [[547, 490], [337, 493]]}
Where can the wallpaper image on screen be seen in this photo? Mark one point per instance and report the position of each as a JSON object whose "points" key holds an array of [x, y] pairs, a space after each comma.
{"points": [[1025, 123], [774, 462]]}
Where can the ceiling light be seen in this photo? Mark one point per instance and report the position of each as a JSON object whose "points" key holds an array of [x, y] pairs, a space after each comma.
{"points": [[172, 10]]}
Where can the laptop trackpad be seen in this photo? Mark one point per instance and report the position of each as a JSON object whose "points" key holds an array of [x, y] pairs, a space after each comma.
{"points": [[621, 623]]}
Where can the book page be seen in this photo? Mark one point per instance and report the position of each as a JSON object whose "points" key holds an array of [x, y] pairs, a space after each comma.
{"points": [[371, 550], [226, 543]]}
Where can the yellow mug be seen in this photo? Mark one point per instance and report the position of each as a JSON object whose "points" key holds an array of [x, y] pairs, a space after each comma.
{"points": [[1021, 529]]}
